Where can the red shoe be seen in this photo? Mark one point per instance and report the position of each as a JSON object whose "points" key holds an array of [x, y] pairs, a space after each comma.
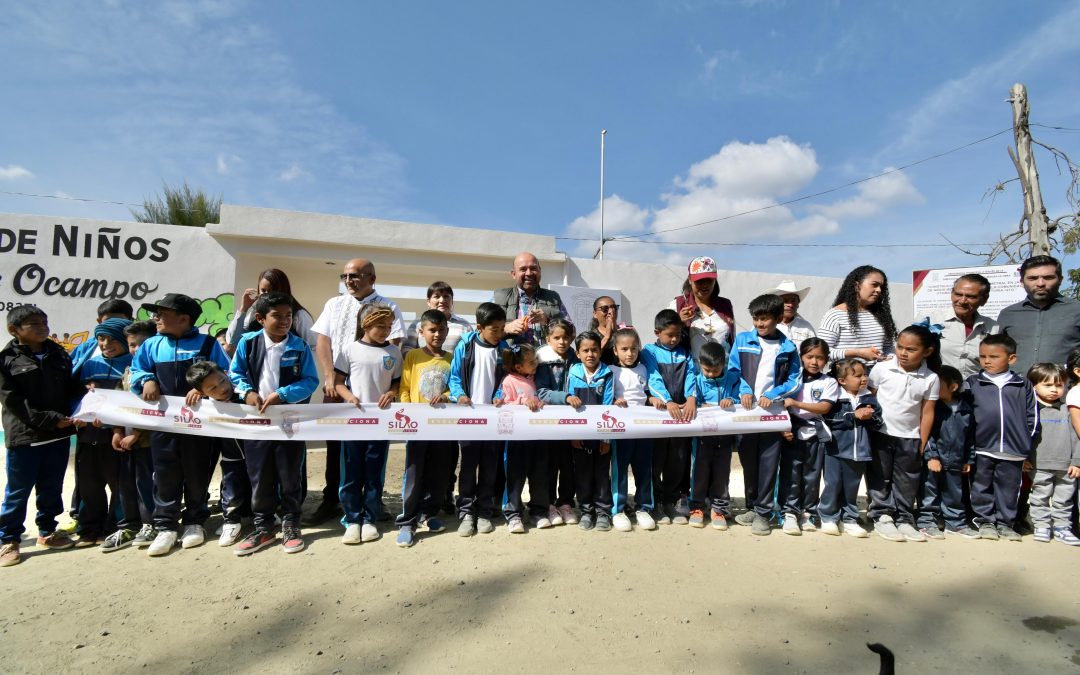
{"points": [[259, 539], [291, 540]]}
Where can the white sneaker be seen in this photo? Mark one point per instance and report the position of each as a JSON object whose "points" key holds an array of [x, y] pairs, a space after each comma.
{"points": [[855, 530], [352, 534], [515, 525], [194, 535], [484, 525], [230, 533], [543, 523], [645, 520], [910, 533], [554, 515], [622, 523], [791, 525], [830, 527], [807, 523], [163, 543], [369, 532]]}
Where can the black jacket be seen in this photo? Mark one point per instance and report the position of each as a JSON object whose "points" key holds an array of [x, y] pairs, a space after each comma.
{"points": [[952, 439], [1006, 418], [850, 435], [35, 394]]}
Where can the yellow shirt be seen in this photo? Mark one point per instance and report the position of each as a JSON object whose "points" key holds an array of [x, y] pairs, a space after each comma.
{"points": [[423, 377]]}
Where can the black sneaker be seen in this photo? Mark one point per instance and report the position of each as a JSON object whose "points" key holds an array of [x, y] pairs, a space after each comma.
{"points": [[603, 522], [586, 522], [323, 513]]}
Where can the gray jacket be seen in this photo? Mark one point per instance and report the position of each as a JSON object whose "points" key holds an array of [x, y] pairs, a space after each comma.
{"points": [[1056, 446]]}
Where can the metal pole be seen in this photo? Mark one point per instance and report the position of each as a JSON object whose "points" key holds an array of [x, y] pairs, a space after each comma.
{"points": [[603, 132]]}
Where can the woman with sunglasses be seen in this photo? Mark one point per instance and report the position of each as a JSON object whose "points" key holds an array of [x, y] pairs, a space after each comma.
{"points": [[605, 322]]}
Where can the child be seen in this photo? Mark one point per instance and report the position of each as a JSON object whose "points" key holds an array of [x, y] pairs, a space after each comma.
{"points": [[949, 455], [1072, 398], [631, 388], [97, 465], [135, 482], [854, 415], [710, 463], [37, 392], [555, 359], [803, 455], [592, 383], [766, 366], [672, 376], [427, 463], [906, 385], [272, 366], [182, 463], [475, 374], [523, 459], [372, 366], [1057, 459], [1006, 421]]}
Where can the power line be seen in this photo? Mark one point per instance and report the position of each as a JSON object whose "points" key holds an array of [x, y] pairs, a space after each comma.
{"points": [[764, 245], [1051, 126], [68, 198]]}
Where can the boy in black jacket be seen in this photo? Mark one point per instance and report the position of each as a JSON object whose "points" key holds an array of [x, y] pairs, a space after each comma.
{"points": [[949, 456], [38, 393]]}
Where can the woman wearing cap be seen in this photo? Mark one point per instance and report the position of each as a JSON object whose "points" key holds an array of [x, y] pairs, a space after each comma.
{"points": [[244, 321], [860, 326], [791, 323], [707, 316]]}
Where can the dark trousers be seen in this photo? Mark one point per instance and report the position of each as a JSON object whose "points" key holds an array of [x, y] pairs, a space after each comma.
{"points": [[671, 469], [801, 462], [478, 478], [97, 466], [332, 472], [995, 490], [710, 472], [525, 460], [893, 477], [451, 476], [181, 471], [76, 500], [39, 468], [840, 496], [632, 454], [136, 485], [942, 499], [235, 481], [561, 483], [423, 485], [275, 468], [759, 455], [593, 473], [362, 464]]}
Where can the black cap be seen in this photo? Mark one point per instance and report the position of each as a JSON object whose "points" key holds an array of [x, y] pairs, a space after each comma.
{"points": [[177, 302]]}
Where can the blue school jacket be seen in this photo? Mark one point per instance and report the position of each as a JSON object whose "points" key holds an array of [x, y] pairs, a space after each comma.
{"points": [[298, 378], [551, 379], [745, 358], [461, 365], [952, 438], [1006, 418], [851, 436], [712, 391], [672, 373], [165, 360], [601, 391]]}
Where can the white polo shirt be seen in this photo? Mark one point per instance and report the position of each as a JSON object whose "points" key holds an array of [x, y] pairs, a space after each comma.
{"points": [[901, 395]]}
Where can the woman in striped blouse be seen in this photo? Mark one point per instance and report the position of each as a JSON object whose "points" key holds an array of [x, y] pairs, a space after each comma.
{"points": [[860, 325]]}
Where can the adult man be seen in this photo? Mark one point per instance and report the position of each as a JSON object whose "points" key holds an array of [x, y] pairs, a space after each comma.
{"points": [[792, 324], [336, 327], [1046, 326], [963, 328], [528, 307]]}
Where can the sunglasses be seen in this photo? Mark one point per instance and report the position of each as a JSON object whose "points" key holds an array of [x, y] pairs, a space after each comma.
{"points": [[354, 277], [607, 308]]}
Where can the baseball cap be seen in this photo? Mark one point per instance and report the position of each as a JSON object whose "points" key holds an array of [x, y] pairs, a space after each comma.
{"points": [[178, 302], [702, 267]]}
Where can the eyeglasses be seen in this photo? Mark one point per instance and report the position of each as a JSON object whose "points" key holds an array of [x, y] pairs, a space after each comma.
{"points": [[355, 277], [607, 308]]}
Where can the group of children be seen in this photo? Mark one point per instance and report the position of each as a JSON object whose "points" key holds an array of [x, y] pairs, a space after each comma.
{"points": [[936, 452]]}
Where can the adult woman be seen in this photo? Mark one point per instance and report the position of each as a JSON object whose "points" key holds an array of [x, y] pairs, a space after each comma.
{"points": [[860, 325], [244, 320], [707, 316], [605, 321]]}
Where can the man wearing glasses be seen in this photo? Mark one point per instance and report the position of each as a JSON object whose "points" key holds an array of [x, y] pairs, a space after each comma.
{"points": [[528, 307]]}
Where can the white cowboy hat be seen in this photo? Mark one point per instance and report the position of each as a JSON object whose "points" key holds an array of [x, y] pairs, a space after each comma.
{"points": [[788, 287]]}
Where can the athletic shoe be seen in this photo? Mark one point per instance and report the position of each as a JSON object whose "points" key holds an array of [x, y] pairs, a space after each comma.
{"points": [[405, 536], [555, 516], [622, 523], [1065, 536], [697, 518], [886, 529], [122, 538], [434, 525], [194, 535], [806, 522], [256, 541], [56, 541], [515, 526], [163, 543], [230, 533], [586, 522], [746, 518], [988, 531], [369, 532], [1043, 534], [543, 523], [665, 512], [830, 527], [291, 540], [682, 508], [467, 528], [1007, 533], [932, 532], [603, 522], [719, 521], [791, 525], [325, 511], [352, 534], [69, 527], [145, 536], [86, 541], [761, 526], [645, 520], [568, 515], [9, 554], [964, 531], [852, 528], [910, 533], [484, 525]]}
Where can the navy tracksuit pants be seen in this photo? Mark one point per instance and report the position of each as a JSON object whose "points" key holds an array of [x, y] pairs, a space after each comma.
{"points": [[136, 485], [235, 481], [363, 464], [671, 469], [478, 479], [840, 496], [275, 468], [423, 485], [995, 490], [39, 468], [942, 498], [710, 472], [561, 483], [893, 477], [332, 472], [181, 471], [634, 454], [525, 461], [801, 463], [97, 466], [593, 473], [759, 455]]}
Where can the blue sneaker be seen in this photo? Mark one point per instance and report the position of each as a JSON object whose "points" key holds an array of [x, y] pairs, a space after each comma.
{"points": [[434, 525], [405, 537]]}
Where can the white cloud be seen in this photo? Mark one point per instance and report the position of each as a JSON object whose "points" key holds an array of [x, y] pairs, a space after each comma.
{"points": [[292, 173], [874, 197], [14, 172], [225, 163]]}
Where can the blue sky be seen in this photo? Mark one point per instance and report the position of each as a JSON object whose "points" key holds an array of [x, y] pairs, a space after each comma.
{"points": [[488, 114]]}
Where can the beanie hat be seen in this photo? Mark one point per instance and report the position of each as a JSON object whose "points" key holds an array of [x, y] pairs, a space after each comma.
{"points": [[114, 328]]}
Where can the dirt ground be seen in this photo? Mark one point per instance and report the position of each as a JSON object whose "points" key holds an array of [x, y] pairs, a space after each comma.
{"points": [[673, 600]]}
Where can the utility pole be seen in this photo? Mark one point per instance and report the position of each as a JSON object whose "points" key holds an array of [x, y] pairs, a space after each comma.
{"points": [[1024, 160], [603, 132]]}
